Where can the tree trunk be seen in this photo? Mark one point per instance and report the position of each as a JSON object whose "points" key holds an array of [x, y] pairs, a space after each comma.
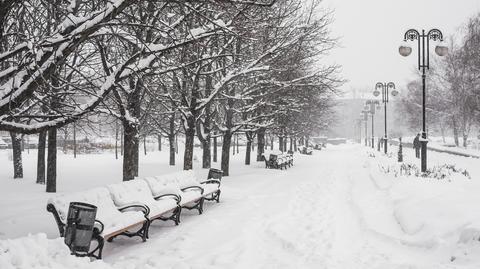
{"points": [[65, 138], [271, 142], [206, 158], [455, 131], [121, 142], [285, 143], [442, 130], [189, 140], [74, 140], [176, 144], [260, 143], [295, 144], [52, 161], [17, 155], [145, 144], [131, 136], [280, 143], [171, 143], [291, 143], [116, 140], [28, 144], [215, 148], [237, 144], [130, 151], [159, 138], [171, 139], [465, 139], [203, 134], [248, 151], [233, 145], [42, 137], [22, 143], [227, 139]]}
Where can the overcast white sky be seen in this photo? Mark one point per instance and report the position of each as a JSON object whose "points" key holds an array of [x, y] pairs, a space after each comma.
{"points": [[370, 32]]}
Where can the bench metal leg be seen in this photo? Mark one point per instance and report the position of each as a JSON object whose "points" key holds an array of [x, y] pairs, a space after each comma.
{"points": [[142, 232], [214, 197], [218, 196], [175, 216], [198, 206]]}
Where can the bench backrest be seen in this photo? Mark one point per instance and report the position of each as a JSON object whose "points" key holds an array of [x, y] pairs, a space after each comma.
{"points": [[100, 197], [215, 174], [165, 184], [131, 192], [186, 179]]}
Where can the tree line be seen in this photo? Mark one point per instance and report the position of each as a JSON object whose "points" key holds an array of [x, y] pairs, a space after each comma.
{"points": [[205, 69]]}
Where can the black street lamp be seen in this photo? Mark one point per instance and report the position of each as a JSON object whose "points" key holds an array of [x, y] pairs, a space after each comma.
{"points": [[423, 65], [370, 107], [385, 87], [364, 115], [359, 125]]}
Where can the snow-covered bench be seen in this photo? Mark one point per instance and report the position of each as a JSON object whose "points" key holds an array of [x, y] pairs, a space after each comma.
{"points": [[305, 150], [164, 206], [129, 220], [211, 186], [128, 208], [279, 161], [192, 192]]}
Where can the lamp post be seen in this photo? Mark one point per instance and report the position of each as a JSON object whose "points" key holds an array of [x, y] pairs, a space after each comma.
{"points": [[364, 114], [371, 104], [359, 124], [423, 65], [385, 87]]}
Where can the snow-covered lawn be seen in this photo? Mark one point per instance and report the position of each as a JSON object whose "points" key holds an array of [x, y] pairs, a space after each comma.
{"points": [[334, 209]]}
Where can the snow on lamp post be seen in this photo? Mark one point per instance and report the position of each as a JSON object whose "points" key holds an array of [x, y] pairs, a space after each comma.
{"points": [[387, 89], [423, 41]]}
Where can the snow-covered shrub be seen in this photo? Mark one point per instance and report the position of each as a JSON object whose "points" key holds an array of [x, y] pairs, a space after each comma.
{"points": [[388, 169], [439, 172]]}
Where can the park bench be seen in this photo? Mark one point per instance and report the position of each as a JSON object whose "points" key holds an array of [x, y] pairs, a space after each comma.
{"points": [[210, 186], [305, 150], [129, 208], [192, 192], [278, 161], [129, 220], [164, 206]]}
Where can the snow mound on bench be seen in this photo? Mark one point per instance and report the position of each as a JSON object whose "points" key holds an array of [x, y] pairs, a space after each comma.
{"points": [[38, 252]]}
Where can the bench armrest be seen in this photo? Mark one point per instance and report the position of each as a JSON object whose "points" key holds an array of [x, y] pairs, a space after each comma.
{"points": [[61, 226], [193, 188], [144, 208], [98, 227], [174, 196], [212, 181]]}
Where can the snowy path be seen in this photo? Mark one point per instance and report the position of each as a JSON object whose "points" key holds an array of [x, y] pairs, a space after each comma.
{"points": [[326, 212]]}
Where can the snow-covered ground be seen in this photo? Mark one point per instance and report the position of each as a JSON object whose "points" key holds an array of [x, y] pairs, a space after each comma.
{"points": [[334, 209]]}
